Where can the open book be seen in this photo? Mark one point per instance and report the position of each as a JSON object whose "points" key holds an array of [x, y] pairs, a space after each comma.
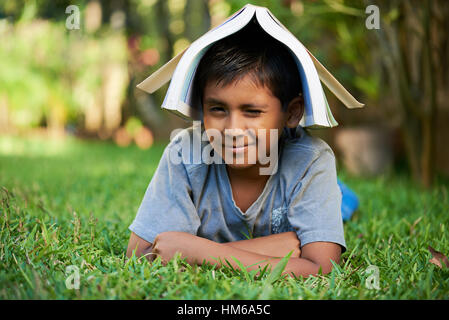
{"points": [[181, 70]]}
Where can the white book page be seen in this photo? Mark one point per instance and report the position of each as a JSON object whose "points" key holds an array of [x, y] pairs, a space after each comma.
{"points": [[183, 72], [315, 111], [329, 115], [328, 79]]}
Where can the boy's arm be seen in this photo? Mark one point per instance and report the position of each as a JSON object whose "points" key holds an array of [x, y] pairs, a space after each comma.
{"points": [[142, 247], [275, 245], [197, 250]]}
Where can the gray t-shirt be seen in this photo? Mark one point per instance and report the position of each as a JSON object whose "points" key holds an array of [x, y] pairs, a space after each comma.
{"points": [[302, 196]]}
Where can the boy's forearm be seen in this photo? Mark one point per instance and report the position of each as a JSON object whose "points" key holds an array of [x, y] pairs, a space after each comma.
{"points": [[275, 245], [217, 253]]}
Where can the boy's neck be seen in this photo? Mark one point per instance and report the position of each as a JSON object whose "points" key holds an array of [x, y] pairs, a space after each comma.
{"points": [[246, 185], [251, 174]]}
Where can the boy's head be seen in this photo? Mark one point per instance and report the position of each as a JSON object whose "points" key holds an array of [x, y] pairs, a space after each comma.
{"points": [[253, 52], [247, 82]]}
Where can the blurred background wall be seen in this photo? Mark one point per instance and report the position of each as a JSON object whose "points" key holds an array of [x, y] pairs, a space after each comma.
{"points": [[58, 80]]}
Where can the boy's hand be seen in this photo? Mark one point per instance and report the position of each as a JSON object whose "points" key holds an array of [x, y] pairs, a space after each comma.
{"points": [[167, 244]]}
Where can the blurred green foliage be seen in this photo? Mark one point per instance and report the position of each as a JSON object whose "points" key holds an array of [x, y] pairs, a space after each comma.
{"points": [[49, 73], [30, 60]]}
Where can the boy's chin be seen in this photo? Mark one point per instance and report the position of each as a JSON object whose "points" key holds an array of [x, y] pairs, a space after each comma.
{"points": [[240, 166]]}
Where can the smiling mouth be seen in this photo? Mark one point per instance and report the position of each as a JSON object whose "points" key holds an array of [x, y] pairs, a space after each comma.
{"points": [[238, 149]]}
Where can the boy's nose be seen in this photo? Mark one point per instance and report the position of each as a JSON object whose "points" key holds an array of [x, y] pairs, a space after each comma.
{"points": [[235, 123], [234, 137], [234, 129]]}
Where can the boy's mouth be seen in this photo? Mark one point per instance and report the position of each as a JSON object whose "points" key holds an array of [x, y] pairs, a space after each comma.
{"points": [[238, 149]]}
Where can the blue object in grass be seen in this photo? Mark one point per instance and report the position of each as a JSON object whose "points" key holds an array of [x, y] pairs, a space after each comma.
{"points": [[349, 201]]}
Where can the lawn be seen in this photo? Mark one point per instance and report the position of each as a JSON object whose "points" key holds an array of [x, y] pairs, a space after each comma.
{"points": [[68, 204]]}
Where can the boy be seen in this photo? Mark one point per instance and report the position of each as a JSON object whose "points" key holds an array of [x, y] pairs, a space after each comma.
{"points": [[246, 82]]}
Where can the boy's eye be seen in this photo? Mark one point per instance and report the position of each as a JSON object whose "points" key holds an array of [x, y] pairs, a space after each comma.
{"points": [[254, 112], [215, 109]]}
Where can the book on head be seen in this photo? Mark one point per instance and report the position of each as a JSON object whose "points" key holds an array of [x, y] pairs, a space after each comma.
{"points": [[181, 70]]}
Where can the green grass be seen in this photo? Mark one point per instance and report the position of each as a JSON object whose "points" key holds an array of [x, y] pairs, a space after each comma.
{"points": [[70, 202]]}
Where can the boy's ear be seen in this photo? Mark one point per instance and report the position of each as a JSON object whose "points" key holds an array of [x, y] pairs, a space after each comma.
{"points": [[295, 111]]}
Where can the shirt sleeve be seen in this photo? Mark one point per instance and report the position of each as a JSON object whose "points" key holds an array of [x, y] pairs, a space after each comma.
{"points": [[315, 206], [167, 204]]}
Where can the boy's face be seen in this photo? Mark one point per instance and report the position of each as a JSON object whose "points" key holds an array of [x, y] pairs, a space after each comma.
{"points": [[239, 111]]}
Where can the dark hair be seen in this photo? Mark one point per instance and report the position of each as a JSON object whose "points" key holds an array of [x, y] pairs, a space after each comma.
{"points": [[250, 51]]}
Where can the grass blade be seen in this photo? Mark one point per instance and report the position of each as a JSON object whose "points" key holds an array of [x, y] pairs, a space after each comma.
{"points": [[243, 269], [278, 269]]}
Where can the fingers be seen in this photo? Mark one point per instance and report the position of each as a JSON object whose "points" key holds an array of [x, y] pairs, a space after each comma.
{"points": [[157, 250]]}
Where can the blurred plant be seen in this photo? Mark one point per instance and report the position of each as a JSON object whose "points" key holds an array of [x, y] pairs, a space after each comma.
{"points": [[51, 76], [133, 125], [414, 50], [134, 130], [30, 59]]}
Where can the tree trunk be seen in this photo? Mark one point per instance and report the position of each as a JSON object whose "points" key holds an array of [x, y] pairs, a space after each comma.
{"points": [[163, 20], [410, 54]]}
